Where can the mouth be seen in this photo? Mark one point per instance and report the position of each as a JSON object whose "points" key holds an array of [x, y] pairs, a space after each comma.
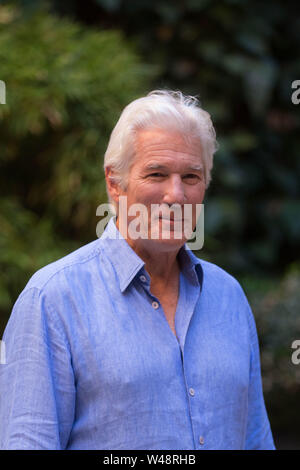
{"points": [[171, 219]]}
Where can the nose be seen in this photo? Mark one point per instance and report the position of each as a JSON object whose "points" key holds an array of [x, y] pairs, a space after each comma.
{"points": [[174, 191]]}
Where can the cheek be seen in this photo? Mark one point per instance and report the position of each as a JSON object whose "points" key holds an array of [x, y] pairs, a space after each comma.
{"points": [[150, 193], [196, 194]]}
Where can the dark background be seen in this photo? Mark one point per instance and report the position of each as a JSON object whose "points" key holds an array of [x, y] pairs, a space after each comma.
{"points": [[70, 67]]}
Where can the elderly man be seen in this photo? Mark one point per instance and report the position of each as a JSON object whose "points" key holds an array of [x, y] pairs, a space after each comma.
{"points": [[132, 342]]}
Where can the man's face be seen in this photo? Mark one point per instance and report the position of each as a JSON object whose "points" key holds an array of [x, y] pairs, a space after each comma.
{"points": [[167, 170]]}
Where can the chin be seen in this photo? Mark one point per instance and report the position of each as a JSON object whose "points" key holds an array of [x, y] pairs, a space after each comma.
{"points": [[167, 245]]}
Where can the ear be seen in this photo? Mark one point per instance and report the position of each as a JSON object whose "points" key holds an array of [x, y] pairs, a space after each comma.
{"points": [[112, 186]]}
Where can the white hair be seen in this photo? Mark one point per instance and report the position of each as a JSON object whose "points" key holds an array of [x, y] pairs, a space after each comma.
{"points": [[160, 109]]}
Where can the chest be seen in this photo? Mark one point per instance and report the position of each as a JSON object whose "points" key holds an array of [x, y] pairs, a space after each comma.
{"points": [[168, 299]]}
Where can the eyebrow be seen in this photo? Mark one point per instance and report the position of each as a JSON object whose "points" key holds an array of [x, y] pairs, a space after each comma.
{"points": [[157, 166]]}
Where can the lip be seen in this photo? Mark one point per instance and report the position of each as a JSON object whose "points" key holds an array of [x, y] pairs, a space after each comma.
{"points": [[171, 219]]}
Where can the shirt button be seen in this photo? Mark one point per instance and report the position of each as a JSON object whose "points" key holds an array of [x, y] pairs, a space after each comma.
{"points": [[155, 305], [192, 392], [201, 440], [143, 278]]}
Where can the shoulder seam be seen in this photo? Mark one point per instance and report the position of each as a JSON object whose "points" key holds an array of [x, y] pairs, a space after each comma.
{"points": [[95, 252]]}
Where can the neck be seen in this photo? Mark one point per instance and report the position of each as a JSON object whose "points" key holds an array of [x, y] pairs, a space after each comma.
{"points": [[161, 265]]}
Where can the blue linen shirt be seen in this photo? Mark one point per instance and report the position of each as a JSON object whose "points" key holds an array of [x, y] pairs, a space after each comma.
{"points": [[92, 363]]}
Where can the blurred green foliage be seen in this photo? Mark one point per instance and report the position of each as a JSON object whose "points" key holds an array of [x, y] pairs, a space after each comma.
{"points": [[66, 85], [240, 57], [278, 323]]}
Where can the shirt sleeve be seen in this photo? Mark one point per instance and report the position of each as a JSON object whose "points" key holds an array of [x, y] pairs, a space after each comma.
{"points": [[37, 391], [258, 434]]}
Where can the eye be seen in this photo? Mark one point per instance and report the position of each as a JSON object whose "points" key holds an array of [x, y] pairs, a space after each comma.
{"points": [[191, 176], [157, 175]]}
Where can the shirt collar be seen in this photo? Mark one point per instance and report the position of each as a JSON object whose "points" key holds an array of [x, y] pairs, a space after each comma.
{"points": [[128, 264]]}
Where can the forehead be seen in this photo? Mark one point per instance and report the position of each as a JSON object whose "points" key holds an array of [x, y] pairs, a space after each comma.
{"points": [[157, 146]]}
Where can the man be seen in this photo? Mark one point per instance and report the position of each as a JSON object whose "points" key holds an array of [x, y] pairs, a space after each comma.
{"points": [[132, 342]]}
